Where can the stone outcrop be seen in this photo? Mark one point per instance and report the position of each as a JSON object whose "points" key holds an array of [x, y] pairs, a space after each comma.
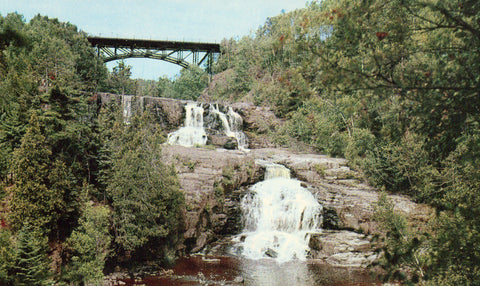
{"points": [[215, 180], [342, 248], [258, 123], [212, 181], [341, 190]]}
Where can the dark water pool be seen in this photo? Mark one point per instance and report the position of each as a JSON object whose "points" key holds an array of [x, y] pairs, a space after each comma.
{"points": [[200, 270]]}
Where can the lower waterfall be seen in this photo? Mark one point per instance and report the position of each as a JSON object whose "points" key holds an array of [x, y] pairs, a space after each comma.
{"points": [[279, 216]]}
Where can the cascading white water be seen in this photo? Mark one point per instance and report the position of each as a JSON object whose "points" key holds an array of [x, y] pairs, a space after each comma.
{"points": [[236, 124], [127, 108], [279, 215], [273, 171], [232, 125], [193, 132]]}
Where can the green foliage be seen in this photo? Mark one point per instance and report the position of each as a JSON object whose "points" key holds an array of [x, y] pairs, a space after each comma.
{"points": [[458, 226], [119, 80], [462, 234], [400, 167], [48, 137], [461, 177], [7, 256], [189, 85], [31, 260], [36, 198], [319, 123], [144, 191], [90, 244], [71, 127], [403, 250]]}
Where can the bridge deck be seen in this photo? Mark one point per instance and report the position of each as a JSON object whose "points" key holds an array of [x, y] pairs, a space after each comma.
{"points": [[153, 44]]}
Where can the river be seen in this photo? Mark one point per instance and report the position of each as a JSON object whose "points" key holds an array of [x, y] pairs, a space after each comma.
{"points": [[225, 270]]}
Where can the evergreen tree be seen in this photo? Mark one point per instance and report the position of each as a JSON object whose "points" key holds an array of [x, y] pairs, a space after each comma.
{"points": [[31, 259], [119, 80], [36, 199], [144, 191], [7, 256], [90, 243]]}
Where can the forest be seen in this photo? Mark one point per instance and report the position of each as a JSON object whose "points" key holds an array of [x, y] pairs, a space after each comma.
{"points": [[393, 86]]}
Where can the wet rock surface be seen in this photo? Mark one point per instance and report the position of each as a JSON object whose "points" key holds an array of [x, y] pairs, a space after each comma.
{"points": [[342, 248], [214, 181]]}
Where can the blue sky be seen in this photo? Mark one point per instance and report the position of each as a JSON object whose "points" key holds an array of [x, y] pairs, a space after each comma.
{"points": [[189, 20]]}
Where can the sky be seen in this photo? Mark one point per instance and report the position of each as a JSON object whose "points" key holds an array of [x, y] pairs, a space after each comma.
{"points": [[179, 20]]}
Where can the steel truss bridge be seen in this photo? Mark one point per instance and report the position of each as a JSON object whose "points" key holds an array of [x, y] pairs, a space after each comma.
{"points": [[184, 54]]}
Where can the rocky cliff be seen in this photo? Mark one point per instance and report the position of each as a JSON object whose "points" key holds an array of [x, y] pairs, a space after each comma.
{"points": [[214, 180]]}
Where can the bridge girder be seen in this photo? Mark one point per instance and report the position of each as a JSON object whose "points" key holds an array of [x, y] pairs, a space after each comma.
{"points": [[184, 54]]}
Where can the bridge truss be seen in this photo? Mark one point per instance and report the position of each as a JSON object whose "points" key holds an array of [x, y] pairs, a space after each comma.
{"points": [[184, 54]]}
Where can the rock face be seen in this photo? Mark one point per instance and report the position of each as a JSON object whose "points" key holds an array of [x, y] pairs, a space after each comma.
{"points": [[220, 121], [169, 113], [214, 181], [258, 122], [342, 248]]}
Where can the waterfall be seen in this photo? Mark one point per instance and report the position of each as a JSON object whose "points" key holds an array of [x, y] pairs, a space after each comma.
{"points": [[236, 124], [276, 171], [232, 124], [127, 108], [279, 216], [193, 132]]}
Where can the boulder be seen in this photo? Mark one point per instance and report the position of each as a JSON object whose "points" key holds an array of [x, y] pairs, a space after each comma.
{"points": [[231, 144], [271, 253], [315, 242], [330, 218]]}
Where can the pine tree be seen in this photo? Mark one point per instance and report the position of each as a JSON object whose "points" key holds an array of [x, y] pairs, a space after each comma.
{"points": [[144, 191], [32, 265], [35, 199], [90, 243], [7, 254]]}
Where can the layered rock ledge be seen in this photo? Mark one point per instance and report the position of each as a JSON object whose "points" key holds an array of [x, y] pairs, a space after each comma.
{"points": [[214, 181]]}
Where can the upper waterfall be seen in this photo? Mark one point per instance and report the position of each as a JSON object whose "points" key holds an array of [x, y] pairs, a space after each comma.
{"points": [[232, 123], [193, 132]]}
